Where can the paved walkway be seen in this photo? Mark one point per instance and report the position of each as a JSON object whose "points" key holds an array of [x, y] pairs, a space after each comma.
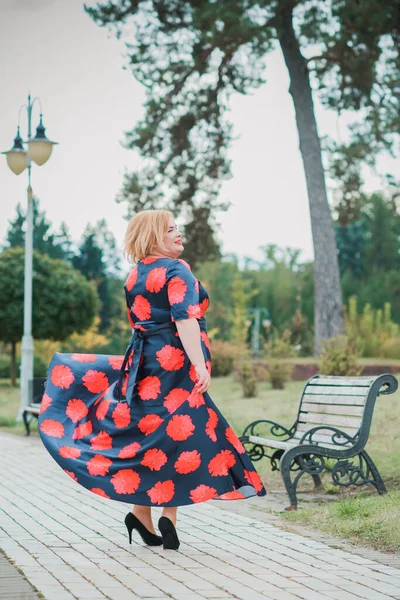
{"points": [[71, 544]]}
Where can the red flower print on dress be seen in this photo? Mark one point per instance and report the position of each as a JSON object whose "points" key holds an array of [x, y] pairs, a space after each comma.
{"points": [[129, 451], [121, 415], [52, 428], [208, 366], [69, 452], [131, 321], [176, 290], [171, 358], [132, 278], [141, 308], [102, 409], [116, 362], [124, 386], [162, 492], [149, 388], [149, 423], [234, 440], [62, 376], [234, 495], [154, 459], [82, 430], [203, 493], [221, 463], [148, 260], [180, 428], [84, 357], [175, 398], [125, 481], [184, 263], [95, 381], [206, 341], [76, 409], [204, 306], [71, 474], [212, 424], [196, 399], [99, 465], [254, 479], [187, 462], [45, 403], [193, 311], [192, 373], [156, 279], [99, 492], [101, 441]]}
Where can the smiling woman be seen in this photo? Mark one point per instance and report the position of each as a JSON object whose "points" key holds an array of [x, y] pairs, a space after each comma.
{"points": [[153, 436]]}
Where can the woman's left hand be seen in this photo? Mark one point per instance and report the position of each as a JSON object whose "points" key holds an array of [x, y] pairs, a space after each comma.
{"points": [[204, 378]]}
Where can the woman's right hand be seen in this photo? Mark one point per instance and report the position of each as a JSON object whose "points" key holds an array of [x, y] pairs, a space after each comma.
{"points": [[203, 378]]}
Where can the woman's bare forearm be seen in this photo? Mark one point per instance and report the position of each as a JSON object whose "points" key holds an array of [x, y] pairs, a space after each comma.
{"points": [[189, 333]]}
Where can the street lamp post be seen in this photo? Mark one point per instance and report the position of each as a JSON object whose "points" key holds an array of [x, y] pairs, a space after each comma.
{"points": [[18, 159], [259, 315]]}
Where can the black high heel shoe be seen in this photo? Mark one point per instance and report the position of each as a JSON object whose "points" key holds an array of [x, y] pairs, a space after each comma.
{"points": [[151, 539], [169, 536]]}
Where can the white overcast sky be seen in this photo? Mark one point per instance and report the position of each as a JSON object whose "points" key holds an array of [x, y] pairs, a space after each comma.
{"points": [[54, 50]]}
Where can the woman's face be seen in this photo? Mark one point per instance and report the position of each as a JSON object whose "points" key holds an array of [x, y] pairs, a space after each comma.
{"points": [[172, 240]]}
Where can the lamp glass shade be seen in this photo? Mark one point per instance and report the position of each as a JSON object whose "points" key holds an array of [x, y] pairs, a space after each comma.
{"points": [[16, 160], [39, 150]]}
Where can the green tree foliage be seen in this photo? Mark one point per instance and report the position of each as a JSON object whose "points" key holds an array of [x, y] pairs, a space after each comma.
{"points": [[63, 301], [45, 241], [97, 259], [383, 221], [192, 56]]}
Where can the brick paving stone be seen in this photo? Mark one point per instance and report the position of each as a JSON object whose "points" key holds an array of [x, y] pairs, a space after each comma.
{"points": [[73, 544]]}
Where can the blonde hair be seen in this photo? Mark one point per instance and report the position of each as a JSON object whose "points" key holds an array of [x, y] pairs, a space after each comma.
{"points": [[145, 231]]}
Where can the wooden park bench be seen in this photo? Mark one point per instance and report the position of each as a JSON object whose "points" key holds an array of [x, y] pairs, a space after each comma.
{"points": [[33, 409], [329, 434]]}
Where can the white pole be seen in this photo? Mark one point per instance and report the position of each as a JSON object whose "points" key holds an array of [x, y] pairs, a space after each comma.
{"points": [[27, 339]]}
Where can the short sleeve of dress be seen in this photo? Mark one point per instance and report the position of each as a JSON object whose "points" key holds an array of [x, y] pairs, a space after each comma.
{"points": [[183, 292]]}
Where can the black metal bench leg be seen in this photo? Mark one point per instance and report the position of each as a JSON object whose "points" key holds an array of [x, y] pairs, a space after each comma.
{"points": [[285, 465], [26, 422], [377, 481]]}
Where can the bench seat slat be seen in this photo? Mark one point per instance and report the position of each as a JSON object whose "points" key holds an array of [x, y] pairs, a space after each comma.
{"points": [[340, 381], [354, 411], [352, 400], [322, 390], [270, 443], [321, 438]]}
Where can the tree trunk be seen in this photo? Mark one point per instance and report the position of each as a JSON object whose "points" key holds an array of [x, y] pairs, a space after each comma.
{"points": [[328, 297], [13, 364]]}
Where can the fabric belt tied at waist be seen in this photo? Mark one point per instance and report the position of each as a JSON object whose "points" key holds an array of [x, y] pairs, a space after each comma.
{"points": [[136, 345]]}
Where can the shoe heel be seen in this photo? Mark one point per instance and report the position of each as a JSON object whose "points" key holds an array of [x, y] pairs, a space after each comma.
{"points": [[130, 536]]}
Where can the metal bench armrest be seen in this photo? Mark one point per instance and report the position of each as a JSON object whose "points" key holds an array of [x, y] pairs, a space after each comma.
{"points": [[338, 437], [275, 429]]}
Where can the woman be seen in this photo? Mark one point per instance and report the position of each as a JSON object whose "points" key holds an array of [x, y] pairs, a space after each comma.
{"points": [[144, 429]]}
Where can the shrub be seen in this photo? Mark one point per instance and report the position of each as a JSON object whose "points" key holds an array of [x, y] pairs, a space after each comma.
{"points": [[245, 375], [39, 366], [373, 330], [278, 349], [223, 356], [339, 357]]}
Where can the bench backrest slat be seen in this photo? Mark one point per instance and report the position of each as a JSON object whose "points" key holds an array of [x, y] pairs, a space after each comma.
{"points": [[341, 400], [337, 402]]}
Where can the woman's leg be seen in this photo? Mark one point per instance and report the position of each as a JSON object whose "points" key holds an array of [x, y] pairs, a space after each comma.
{"points": [[170, 513], [143, 513]]}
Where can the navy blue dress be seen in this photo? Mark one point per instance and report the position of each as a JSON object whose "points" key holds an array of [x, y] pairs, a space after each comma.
{"points": [[135, 429]]}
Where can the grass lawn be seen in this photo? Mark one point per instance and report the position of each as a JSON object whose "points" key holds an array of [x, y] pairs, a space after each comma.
{"points": [[368, 519]]}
